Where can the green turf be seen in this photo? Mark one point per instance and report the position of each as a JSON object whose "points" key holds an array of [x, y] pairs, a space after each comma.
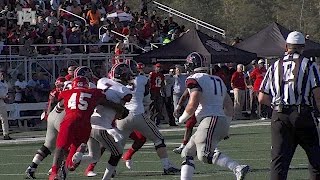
{"points": [[248, 145]]}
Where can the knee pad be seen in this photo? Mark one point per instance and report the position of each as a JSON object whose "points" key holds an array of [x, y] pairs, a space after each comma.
{"points": [[43, 151], [113, 161], [159, 144], [188, 161]]}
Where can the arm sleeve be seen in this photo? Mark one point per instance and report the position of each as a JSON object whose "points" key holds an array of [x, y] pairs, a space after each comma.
{"points": [[314, 76], [193, 84], [265, 86]]}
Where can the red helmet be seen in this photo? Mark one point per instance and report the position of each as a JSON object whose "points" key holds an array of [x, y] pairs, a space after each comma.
{"points": [[140, 65], [60, 82], [80, 82]]}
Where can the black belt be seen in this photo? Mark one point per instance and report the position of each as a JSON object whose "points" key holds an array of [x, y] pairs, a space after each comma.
{"points": [[291, 108]]}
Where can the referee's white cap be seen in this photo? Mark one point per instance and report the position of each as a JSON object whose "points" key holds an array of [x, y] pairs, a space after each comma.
{"points": [[295, 37]]}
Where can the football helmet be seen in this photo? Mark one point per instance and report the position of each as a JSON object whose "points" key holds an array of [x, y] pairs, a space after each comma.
{"points": [[60, 83], [83, 71], [80, 82], [121, 73], [194, 61]]}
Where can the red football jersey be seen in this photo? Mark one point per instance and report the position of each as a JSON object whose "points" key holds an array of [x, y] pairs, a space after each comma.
{"points": [[156, 81], [81, 102], [54, 93]]}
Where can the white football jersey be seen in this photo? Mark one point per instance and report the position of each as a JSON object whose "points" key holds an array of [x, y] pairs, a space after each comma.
{"points": [[114, 92], [135, 106], [213, 93]]}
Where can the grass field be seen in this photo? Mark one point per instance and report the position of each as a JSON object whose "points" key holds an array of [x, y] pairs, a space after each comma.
{"points": [[248, 145]]}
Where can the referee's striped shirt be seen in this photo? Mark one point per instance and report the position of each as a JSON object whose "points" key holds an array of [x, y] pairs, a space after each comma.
{"points": [[306, 81]]}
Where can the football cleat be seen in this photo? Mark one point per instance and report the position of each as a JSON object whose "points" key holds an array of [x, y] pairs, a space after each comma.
{"points": [[129, 164], [49, 172], [242, 171], [30, 173], [90, 174], [171, 171], [178, 150]]}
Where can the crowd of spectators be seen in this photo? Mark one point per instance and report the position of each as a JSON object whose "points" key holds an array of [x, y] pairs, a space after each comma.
{"points": [[58, 27]]}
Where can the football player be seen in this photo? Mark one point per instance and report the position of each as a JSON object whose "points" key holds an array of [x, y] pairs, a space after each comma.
{"points": [[213, 108], [53, 124], [137, 120], [79, 103], [102, 133], [53, 96], [138, 138]]}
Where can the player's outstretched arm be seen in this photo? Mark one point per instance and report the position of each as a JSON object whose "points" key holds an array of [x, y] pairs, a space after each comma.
{"points": [[192, 105], [182, 99]]}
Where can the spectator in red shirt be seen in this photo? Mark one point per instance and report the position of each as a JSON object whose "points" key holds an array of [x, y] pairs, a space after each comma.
{"points": [[156, 85], [239, 89], [70, 74], [257, 76]]}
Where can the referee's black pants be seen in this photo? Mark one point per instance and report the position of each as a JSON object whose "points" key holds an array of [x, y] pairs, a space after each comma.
{"points": [[289, 129]]}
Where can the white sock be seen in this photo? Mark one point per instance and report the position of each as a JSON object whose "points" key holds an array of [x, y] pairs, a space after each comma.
{"points": [[165, 163], [108, 172], [187, 171], [37, 159], [225, 161], [182, 146]]}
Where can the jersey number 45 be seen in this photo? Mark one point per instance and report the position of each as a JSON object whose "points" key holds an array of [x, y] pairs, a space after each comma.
{"points": [[82, 104]]}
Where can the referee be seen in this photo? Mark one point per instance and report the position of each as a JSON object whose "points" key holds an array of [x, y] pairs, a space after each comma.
{"points": [[290, 86]]}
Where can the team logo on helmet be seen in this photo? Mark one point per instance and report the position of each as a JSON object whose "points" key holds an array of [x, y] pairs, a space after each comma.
{"points": [[193, 61]]}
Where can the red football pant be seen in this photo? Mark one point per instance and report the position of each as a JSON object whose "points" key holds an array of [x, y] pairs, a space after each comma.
{"points": [[73, 130]]}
